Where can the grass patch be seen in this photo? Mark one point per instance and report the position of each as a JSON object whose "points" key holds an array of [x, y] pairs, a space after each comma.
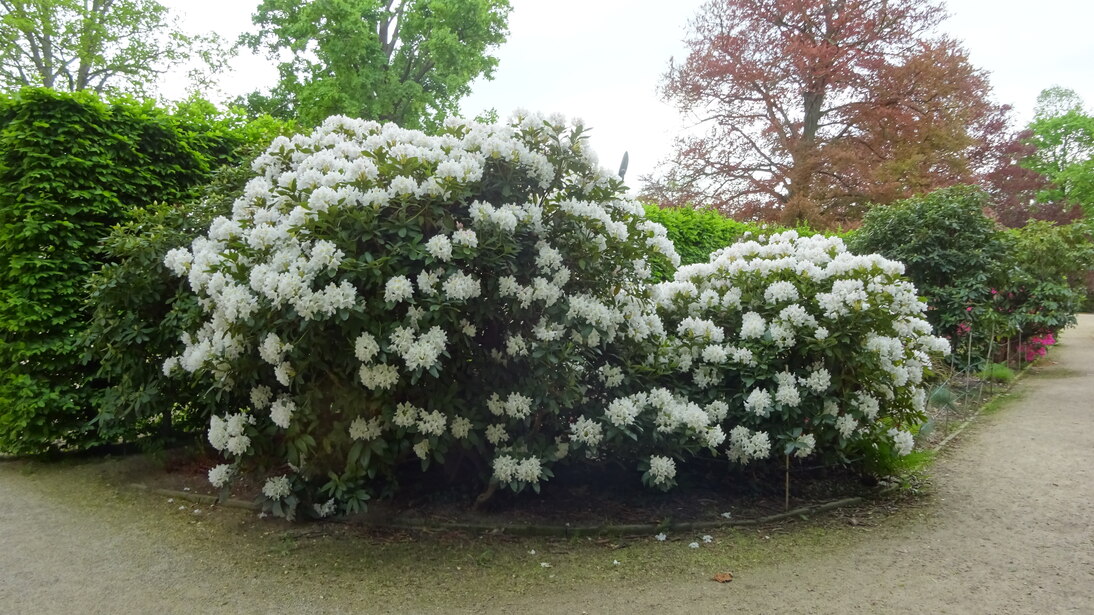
{"points": [[997, 372], [915, 462], [404, 571]]}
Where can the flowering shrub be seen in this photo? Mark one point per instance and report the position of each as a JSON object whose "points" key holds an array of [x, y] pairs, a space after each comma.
{"points": [[1037, 346], [790, 346], [379, 295]]}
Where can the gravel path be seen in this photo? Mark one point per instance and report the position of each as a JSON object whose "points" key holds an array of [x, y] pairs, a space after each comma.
{"points": [[1011, 530]]}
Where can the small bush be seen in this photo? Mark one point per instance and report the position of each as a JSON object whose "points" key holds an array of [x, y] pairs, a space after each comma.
{"points": [[798, 347], [997, 372], [1045, 287]]}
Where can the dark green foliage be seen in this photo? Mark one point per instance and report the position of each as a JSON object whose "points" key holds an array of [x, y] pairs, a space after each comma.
{"points": [[71, 166], [698, 232], [137, 309], [986, 287], [953, 253], [1045, 286]]}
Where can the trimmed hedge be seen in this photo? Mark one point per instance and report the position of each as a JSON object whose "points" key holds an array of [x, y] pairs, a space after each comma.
{"points": [[71, 166], [697, 233]]}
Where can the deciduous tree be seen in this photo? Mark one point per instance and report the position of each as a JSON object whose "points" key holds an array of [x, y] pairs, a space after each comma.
{"points": [[810, 109], [1062, 135], [105, 46], [406, 61]]}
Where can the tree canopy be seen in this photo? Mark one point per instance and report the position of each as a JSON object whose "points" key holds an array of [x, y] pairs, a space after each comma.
{"points": [[104, 46], [406, 61], [1062, 133], [810, 109]]}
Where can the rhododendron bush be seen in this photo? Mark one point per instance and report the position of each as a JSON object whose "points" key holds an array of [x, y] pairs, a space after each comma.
{"points": [[483, 299], [794, 346], [381, 295]]}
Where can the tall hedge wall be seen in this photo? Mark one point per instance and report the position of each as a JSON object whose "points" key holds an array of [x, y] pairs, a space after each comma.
{"points": [[71, 165]]}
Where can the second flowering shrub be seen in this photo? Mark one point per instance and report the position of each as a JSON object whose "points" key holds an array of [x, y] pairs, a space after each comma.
{"points": [[794, 346]]}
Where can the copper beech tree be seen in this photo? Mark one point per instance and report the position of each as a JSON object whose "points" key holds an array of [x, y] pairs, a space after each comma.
{"points": [[808, 110]]}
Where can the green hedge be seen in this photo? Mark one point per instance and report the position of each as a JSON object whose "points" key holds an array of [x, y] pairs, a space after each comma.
{"points": [[71, 166], [698, 232]]}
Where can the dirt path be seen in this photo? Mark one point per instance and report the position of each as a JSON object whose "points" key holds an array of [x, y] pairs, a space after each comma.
{"points": [[1011, 530]]}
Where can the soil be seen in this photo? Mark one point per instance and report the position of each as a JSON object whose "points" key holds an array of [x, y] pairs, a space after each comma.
{"points": [[1005, 527]]}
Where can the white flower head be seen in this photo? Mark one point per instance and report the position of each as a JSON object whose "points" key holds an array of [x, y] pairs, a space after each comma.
{"points": [[398, 289], [662, 470], [440, 248], [220, 475], [277, 487]]}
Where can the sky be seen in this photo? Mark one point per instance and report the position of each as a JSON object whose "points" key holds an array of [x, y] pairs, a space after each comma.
{"points": [[603, 60]]}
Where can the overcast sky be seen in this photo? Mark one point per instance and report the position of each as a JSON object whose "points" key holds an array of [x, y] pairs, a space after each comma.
{"points": [[602, 60]]}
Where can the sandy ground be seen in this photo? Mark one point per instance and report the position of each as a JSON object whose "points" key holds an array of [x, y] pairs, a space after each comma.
{"points": [[1010, 529]]}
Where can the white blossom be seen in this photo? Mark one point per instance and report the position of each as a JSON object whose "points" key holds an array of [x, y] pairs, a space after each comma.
{"points": [[220, 475], [362, 429], [398, 289], [662, 470], [277, 487]]}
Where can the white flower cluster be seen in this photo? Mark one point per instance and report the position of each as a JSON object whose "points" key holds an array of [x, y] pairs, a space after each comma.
{"points": [[277, 487], [662, 470], [227, 434], [219, 475], [746, 445], [508, 469], [903, 441]]}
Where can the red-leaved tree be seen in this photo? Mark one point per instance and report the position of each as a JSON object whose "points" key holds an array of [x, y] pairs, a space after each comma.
{"points": [[809, 110]]}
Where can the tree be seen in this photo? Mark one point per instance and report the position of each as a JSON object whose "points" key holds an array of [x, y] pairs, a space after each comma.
{"points": [[406, 61], [104, 46], [814, 108], [1062, 135]]}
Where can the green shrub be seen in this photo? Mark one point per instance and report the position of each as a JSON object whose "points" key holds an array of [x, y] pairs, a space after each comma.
{"points": [[1045, 287], [71, 166], [997, 372], [952, 252]]}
